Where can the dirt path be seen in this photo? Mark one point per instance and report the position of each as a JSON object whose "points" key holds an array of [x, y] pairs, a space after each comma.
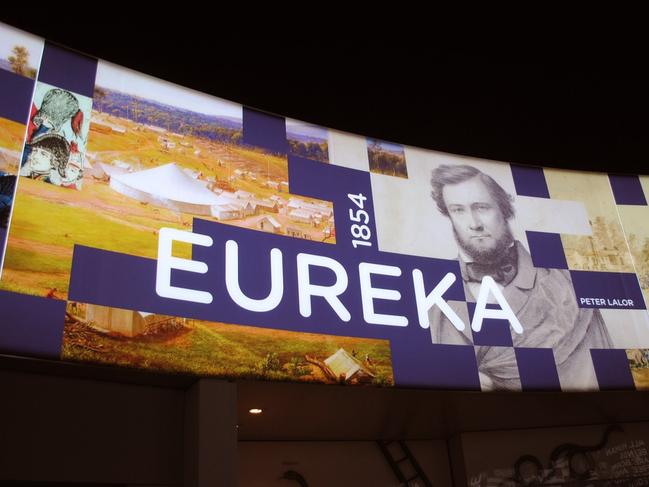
{"points": [[42, 247]]}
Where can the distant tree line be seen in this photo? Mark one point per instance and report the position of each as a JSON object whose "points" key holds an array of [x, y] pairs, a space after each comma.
{"points": [[384, 162], [216, 132], [310, 150], [172, 119]]}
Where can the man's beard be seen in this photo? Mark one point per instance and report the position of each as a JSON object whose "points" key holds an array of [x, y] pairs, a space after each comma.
{"points": [[487, 255]]}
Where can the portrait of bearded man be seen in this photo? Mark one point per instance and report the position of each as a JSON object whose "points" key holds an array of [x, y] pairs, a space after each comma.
{"points": [[542, 299]]}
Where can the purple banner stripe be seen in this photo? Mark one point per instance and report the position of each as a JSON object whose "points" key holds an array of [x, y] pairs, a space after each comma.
{"points": [[495, 333], [612, 369], [439, 366], [546, 250], [15, 96], [334, 183], [530, 181], [67, 69], [264, 130], [607, 290], [31, 325], [124, 281], [537, 369], [627, 190]]}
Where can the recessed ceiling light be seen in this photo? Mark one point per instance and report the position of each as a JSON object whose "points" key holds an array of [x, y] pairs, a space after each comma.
{"points": [[255, 411]]}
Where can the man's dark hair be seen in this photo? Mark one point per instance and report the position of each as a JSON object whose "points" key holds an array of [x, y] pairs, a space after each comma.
{"points": [[57, 145], [447, 174]]}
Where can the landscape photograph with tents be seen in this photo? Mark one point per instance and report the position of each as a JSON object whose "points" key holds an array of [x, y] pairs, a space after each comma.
{"points": [[639, 364], [138, 339], [157, 155]]}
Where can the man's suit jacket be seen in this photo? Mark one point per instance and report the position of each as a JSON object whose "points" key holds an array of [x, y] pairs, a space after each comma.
{"points": [[544, 302]]}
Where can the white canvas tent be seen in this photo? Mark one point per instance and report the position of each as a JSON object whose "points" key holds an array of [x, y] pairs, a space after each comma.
{"points": [[301, 216], [350, 368], [167, 186], [269, 224], [103, 171], [123, 321]]}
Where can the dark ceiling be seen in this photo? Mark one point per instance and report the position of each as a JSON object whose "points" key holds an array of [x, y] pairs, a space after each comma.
{"points": [[575, 108], [310, 412]]}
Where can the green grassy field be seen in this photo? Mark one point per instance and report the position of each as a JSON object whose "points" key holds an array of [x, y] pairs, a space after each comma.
{"points": [[48, 220], [12, 135], [45, 229], [223, 350], [277, 167], [143, 148]]}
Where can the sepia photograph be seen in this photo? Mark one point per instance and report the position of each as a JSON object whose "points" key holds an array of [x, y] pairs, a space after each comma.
{"points": [[465, 209]]}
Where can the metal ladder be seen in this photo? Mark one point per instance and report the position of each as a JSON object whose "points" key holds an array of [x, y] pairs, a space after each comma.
{"points": [[405, 467]]}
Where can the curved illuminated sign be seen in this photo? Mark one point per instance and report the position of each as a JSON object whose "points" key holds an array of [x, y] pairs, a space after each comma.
{"points": [[151, 226]]}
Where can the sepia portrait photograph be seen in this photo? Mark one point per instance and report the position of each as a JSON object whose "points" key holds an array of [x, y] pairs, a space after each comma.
{"points": [[467, 210]]}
